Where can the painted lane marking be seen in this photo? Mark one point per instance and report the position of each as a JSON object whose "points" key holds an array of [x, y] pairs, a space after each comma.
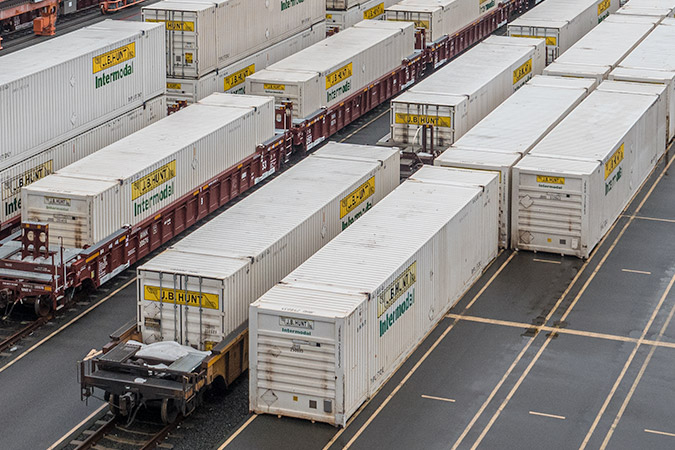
{"points": [[236, 433], [654, 219], [552, 416], [546, 261], [570, 331], [492, 278], [642, 272], [431, 397], [641, 373], [72, 430], [92, 353], [63, 327], [663, 433]]}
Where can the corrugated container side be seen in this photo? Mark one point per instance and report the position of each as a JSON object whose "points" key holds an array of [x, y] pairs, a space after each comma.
{"points": [[22, 174], [254, 244], [341, 324], [231, 79], [151, 168], [328, 72], [90, 76]]}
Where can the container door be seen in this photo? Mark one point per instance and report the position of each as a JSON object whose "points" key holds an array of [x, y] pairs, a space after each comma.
{"points": [[549, 213]]}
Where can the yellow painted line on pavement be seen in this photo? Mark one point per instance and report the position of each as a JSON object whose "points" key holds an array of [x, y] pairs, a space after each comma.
{"points": [[236, 433], [552, 416], [431, 397], [72, 430], [654, 219], [663, 433], [642, 272], [492, 278], [546, 261], [63, 327], [364, 126]]}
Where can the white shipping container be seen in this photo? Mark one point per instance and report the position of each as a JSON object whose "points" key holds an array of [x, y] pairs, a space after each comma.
{"points": [[342, 4], [22, 174], [511, 131], [574, 184], [458, 96], [561, 22], [439, 17], [138, 176], [328, 72], [203, 35], [603, 48], [371, 10], [72, 83], [236, 257], [327, 337], [653, 61], [656, 8], [231, 79]]}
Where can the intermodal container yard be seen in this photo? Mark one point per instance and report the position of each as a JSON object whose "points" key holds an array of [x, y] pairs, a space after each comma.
{"points": [[337, 224]]}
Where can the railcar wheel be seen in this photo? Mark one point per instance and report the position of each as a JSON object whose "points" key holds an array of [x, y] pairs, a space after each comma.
{"points": [[43, 306], [169, 412]]}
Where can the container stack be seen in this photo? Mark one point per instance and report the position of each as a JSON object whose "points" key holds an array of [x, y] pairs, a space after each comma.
{"points": [[134, 178], [236, 257], [212, 46], [508, 133], [329, 335], [573, 185], [342, 14], [73, 95], [438, 18], [328, 72], [461, 94], [603, 48], [562, 22]]}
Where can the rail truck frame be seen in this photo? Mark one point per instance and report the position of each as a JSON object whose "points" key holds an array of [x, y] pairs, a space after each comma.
{"points": [[35, 271]]}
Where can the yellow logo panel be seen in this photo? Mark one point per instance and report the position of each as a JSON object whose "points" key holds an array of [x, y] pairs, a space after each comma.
{"points": [[152, 294], [175, 86], [274, 87], [238, 77], [604, 6], [155, 179], [374, 12], [339, 75], [356, 197], [522, 71], [419, 119], [113, 57], [550, 40], [175, 25], [396, 289], [614, 161], [550, 180]]}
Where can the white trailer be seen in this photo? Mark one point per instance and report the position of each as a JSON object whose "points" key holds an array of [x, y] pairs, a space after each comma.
{"points": [[561, 22], [134, 178], [236, 257], [653, 61], [572, 186], [327, 337], [338, 20], [458, 96], [512, 130]]}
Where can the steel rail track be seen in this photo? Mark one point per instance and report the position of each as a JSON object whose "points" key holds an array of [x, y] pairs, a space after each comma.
{"points": [[22, 333]]}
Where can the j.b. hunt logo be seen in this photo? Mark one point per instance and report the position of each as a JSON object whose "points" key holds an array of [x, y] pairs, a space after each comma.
{"points": [[397, 298], [114, 75]]}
